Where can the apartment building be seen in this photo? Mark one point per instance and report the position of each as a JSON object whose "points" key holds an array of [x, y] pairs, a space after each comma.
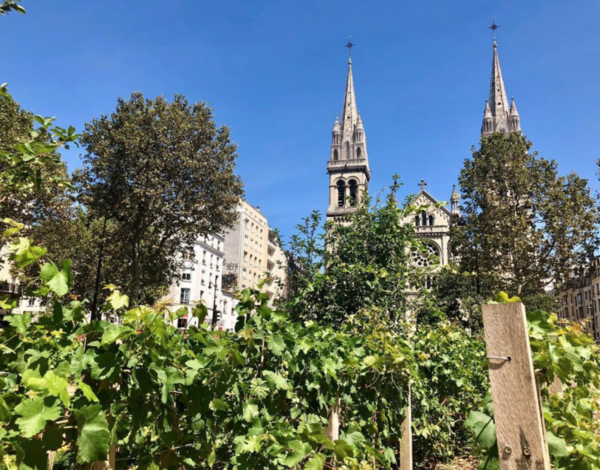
{"points": [[580, 300], [201, 280], [276, 268], [246, 247]]}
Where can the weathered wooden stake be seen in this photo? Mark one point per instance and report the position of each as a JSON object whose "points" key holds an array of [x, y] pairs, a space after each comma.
{"points": [[332, 432], [406, 454], [520, 429]]}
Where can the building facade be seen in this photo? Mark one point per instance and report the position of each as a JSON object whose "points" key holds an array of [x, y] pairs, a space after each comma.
{"points": [[276, 268], [349, 171], [246, 246], [200, 280]]}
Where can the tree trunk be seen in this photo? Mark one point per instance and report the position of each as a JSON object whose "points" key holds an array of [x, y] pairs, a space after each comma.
{"points": [[95, 315]]}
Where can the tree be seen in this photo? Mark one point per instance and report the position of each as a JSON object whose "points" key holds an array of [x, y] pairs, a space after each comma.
{"points": [[162, 172], [524, 227], [361, 264], [28, 156]]}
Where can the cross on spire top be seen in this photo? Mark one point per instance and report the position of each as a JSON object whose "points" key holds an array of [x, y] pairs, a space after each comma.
{"points": [[494, 27], [423, 184], [349, 46]]}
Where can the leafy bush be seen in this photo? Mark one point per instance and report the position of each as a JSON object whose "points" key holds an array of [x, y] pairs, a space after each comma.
{"points": [[257, 398]]}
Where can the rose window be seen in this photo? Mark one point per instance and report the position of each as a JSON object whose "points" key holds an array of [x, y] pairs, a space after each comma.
{"points": [[423, 257]]}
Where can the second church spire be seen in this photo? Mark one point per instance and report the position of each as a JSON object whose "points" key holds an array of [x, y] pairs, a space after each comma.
{"points": [[498, 116]]}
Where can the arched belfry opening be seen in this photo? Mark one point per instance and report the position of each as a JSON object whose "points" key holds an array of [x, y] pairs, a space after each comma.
{"points": [[341, 193], [353, 187]]}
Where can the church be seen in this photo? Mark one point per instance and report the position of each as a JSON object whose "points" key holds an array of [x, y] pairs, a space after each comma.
{"points": [[349, 171]]}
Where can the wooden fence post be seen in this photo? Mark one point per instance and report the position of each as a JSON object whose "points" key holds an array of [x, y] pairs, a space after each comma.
{"points": [[332, 432], [520, 428], [406, 455]]}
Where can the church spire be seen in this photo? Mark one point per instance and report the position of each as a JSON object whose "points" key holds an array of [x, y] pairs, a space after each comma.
{"points": [[348, 165], [349, 111], [498, 108]]}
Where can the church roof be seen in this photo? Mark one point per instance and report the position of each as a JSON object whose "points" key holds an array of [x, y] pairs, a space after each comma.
{"points": [[433, 200]]}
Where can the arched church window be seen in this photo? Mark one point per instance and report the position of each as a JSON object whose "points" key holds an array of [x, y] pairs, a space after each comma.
{"points": [[335, 154], [417, 220], [341, 190], [353, 192], [347, 150], [358, 152], [423, 218], [431, 220]]}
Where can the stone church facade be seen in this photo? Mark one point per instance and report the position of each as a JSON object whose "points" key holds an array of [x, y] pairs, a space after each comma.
{"points": [[349, 171]]}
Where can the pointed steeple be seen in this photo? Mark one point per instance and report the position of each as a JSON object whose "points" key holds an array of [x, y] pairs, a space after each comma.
{"points": [[349, 111], [498, 101], [497, 111], [454, 201], [348, 165]]}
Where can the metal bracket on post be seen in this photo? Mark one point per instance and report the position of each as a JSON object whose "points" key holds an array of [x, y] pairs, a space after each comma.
{"points": [[520, 428]]}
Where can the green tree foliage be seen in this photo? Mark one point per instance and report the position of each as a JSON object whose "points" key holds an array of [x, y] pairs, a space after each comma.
{"points": [[524, 227], [162, 172], [28, 157], [363, 263]]}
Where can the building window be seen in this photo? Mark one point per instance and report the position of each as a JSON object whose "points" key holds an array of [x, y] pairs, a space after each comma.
{"points": [[185, 296], [423, 218], [417, 220], [182, 323], [186, 276], [31, 302], [201, 294], [431, 220], [353, 192], [341, 189]]}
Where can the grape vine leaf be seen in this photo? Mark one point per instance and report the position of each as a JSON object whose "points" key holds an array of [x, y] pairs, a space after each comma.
{"points": [[35, 412], [299, 452], [94, 436]]}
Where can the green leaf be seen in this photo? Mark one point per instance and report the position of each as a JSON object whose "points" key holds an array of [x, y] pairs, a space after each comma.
{"points": [[299, 452], [276, 345], [94, 437], [218, 404], [118, 300], [316, 463], [35, 413], [57, 387], [484, 428], [19, 322], [557, 445], [59, 281], [87, 392], [5, 413], [343, 450], [250, 410], [276, 380]]}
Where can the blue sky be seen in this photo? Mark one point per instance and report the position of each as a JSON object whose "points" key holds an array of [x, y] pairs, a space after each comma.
{"points": [[275, 73]]}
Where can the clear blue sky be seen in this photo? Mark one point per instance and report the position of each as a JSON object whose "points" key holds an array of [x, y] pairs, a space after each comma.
{"points": [[275, 73]]}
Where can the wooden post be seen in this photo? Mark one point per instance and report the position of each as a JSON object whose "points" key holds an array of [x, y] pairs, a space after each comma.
{"points": [[333, 427], [520, 429], [406, 454]]}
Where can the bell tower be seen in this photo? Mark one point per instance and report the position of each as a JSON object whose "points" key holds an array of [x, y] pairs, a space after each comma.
{"points": [[348, 165]]}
